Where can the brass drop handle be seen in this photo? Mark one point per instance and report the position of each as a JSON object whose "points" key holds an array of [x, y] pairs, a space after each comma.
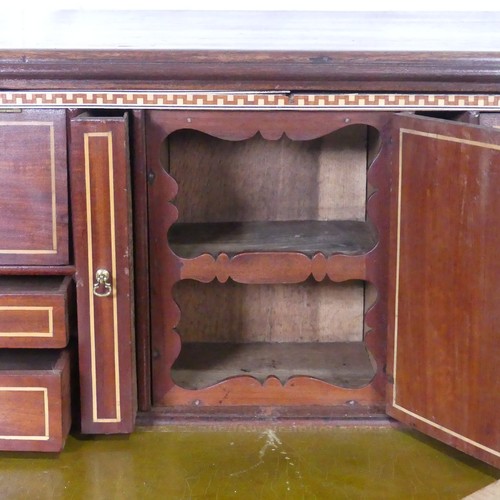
{"points": [[102, 279]]}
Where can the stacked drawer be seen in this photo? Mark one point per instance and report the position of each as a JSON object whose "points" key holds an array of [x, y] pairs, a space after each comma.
{"points": [[36, 285]]}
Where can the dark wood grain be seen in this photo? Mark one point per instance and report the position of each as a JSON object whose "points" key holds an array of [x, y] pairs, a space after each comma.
{"points": [[263, 71], [347, 414], [203, 364], [334, 51], [377, 212], [141, 258], [305, 237], [102, 221], [229, 70], [33, 188], [444, 315]]}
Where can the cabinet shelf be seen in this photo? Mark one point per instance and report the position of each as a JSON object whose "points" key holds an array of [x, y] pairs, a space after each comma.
{"points": [[189, 240], [202, 364]]}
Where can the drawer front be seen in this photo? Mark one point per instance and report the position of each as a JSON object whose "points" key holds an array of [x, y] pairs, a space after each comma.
{"points": [[34, 312], [35, 412], [33, 188]]}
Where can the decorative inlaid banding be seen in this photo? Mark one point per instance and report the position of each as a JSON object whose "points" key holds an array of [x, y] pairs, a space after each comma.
{"points": [[245, 100], [29, 313], [88, 138]]}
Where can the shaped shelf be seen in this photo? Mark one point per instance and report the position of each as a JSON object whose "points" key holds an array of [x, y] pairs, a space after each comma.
{"points": [[202, 364], [306, 237]]}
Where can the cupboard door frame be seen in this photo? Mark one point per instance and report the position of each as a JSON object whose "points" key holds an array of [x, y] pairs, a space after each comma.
{"points": [[443, 348], [102, 235], [167, 268]]}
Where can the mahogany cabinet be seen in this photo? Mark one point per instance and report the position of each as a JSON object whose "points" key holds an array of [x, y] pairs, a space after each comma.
{"points": [[240, 251]]}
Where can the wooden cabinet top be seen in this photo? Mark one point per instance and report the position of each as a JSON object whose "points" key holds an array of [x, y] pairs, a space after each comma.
{"points": [[334, 52]]}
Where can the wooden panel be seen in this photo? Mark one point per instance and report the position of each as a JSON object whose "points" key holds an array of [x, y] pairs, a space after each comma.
{"points": [[34, 400], [322, 179], [306, 237], [141, 260], [259, 268], [341, 175], [34, 312], [304, 393], [345, 364], [102, 228], [444, 337], [308, 312], [33, 188], [257, 179]]}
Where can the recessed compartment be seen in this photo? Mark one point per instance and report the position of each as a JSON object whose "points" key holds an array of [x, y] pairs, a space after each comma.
{"points": [[271, 195], [261, 237], [311, 329]]}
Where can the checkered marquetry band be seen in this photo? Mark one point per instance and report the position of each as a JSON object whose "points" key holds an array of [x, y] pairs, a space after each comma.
{"points": [[256, 100]]}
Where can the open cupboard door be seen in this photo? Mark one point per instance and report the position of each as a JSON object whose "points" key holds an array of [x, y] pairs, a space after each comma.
{"points": [[444, 293]]}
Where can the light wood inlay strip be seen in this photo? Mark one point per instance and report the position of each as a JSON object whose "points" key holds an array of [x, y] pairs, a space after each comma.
{"points": [[95, 417], [246, 100]]}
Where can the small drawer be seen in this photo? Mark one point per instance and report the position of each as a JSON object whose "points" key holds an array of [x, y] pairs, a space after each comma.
{"points": [[34, 311], [35, 409]]}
